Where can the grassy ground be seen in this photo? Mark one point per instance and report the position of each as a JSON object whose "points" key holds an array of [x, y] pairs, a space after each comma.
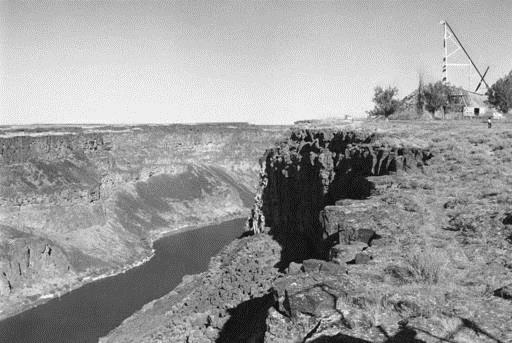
{"points": [[447, 242]]}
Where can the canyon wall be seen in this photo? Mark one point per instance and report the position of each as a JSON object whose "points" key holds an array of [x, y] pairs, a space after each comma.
{"points": [[289, 259], [77, 203], [314, 169], [400, 234]]}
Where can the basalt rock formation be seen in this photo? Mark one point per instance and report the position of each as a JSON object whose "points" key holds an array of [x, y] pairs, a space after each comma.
{"points": [[362, 250], [363, 235], [227, 303], [312, 170], [80, 202], [298, 180]]}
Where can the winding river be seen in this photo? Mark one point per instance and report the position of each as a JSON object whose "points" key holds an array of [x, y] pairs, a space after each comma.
{"points": [[90, 312]]}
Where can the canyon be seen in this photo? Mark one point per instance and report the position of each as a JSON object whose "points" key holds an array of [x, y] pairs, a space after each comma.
{"points": [[392, 232], [378, 232], [78, 203]]}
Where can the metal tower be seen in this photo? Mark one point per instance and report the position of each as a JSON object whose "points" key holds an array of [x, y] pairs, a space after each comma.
{"points": [[456, 56]]}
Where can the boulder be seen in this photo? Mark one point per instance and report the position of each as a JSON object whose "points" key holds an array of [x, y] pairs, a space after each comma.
{"points": [[344, 253], [281, 329], [314, 265], [314, 301], [5, 288], [333, 268], [303, 294], [349, 221], [362, 258], [294, 268], [365, 235]]}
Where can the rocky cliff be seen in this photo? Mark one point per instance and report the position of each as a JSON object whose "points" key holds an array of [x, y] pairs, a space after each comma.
{"points": [[358, 236], [314, 169], [79, 202]]}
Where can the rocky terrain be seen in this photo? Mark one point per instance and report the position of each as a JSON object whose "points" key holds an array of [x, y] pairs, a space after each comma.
{"points": [[394, 232], [78, 203]]}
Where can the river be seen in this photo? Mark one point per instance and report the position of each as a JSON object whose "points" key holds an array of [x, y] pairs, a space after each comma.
{"points": [[91, 311]]}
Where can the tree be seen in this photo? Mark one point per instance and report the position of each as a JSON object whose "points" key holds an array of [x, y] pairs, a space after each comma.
{"points": [[436, 96], [500, 94], [385, 101], [420, 99]]}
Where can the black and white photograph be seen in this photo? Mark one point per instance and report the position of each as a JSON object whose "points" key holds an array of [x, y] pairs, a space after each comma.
{"points": [[260, 171]]}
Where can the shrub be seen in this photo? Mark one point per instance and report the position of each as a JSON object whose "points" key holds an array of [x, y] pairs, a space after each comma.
{"points": [[426, 266], [385, 101], [436, 96], [500, 94]]}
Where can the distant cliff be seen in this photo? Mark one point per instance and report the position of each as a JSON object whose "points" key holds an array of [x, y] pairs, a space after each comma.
{"points": [[80, 202], [20, 149]]}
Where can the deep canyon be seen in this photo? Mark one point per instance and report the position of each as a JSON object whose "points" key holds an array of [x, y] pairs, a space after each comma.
{"points": [[79, 203], [388, 232], [391, 232]]}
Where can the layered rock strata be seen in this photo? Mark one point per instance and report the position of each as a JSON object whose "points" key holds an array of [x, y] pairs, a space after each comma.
{"points": [[77, 203]]}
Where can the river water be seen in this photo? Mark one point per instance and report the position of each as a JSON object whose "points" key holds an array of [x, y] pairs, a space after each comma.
{"points": [[91, 311]]}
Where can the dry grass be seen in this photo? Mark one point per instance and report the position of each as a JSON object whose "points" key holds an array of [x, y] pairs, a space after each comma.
{"points": [[427, 265]]}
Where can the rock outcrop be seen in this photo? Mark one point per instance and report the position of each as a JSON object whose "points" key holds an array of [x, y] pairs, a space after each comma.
{"points": [[228, 303], [20, 149], [314, 169], [24, 261]]}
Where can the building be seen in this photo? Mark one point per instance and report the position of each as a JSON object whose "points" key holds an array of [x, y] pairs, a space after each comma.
{"points": [[475, 105], [461, 104]]}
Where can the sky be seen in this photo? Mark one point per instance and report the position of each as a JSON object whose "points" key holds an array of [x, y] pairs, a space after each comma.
{"points": [[264, 62]]}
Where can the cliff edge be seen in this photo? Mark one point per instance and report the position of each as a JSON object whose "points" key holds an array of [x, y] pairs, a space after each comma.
{"points": [[399, 234]]}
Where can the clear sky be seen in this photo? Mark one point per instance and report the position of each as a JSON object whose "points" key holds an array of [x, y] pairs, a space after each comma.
{"points": [[257, 61]]}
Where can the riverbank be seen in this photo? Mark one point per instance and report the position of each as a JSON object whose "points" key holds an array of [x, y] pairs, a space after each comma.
{"points": [[92, 311], [82, 280], [82, 205]]}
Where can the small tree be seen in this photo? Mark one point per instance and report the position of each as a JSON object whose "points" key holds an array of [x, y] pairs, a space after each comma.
{"points": [[385, 101], [500, 93], [436, 96], [420, 100]]}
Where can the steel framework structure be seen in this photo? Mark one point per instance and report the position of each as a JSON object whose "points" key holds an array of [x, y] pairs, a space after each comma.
{"points": [[450, 38]]}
